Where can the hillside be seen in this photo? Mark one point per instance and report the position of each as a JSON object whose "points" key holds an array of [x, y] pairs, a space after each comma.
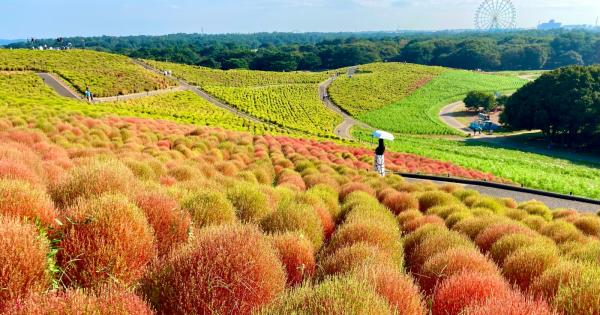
{"points": [[105, 74], [405, 98], [156, 212]]}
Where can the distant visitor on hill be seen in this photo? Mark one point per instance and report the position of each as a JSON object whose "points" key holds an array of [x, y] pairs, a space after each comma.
{"points": [[88, 94], [379, 158]]}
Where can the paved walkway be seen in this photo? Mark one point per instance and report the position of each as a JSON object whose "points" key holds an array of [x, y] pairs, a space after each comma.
{"points": [[446, 117], [343, 130], [551, 202], [59, 86]]}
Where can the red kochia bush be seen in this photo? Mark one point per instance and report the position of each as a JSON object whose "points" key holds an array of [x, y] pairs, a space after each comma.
{"points": [[400, 201], [22, 260], [466, 289], [416, 223], [355, 186], [171, 225], [513, 304], [105, 239], [22, 200], [486, 239], [397, 288], [94, 178], [108, 301], [226, 269], [297, 255], [528, 263], [451, 262]]}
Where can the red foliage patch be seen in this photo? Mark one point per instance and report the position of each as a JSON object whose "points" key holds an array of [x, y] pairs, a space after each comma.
{"points": [[297, 255]]}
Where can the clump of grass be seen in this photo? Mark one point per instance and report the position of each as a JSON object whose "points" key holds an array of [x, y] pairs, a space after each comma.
{"points": [[464, 290], [335, 295], [92, 179], [387, 240], [209, 207], [107, 301], [451, 262], [297, 255], [562, 232], [588, 224], [23, 262], [350, 258], [292, 216], [416, 223], [106, 239], [588, 251], [513, 304], [171, 225], [547, 284], [397, 288], [250, 203], [399, 202], [434, 244], [486, 239], [510, 243], [580, 297], [351, 187], [535, 207], [23, 200], [527, 263], [431, 199], [225, 268]]}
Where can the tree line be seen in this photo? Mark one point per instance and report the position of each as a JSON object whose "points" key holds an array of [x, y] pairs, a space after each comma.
{"points": [[516, 50]]}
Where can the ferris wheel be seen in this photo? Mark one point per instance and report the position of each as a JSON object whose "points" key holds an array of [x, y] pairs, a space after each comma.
{"points": [[496, 15]]}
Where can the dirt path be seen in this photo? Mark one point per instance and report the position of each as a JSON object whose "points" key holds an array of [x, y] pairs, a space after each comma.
{"points": [[343, 130], [58, 85]]}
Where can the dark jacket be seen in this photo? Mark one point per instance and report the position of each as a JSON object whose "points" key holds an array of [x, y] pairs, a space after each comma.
{"points": [[381, 148]]}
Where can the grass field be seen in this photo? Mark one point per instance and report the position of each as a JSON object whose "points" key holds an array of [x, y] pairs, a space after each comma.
{"points": [[529, 169], [290, 100], [418, 112], [380, 84], [105, 74]]}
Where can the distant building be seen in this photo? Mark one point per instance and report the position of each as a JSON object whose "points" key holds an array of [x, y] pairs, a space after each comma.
{"points": [[550, 25]]}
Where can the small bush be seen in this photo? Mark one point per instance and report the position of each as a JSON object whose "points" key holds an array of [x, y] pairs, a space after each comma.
{"points": [[350, 258], [464, 290], [171, 225], [588, 224], [564, 213], [445, 211], [488, 203], [513, 304], [228, 267], [399, 202], [369, 233], [526, 264], [473, 226], [431, 199], [546, 286], [510, 243], [250, 203], [22, 262], [463, 194], [416, 223], [329, 197], [580, 297], [486, 239], [408, 215], [93, 179], [397, 288], [209, 207], [297, 255], [457, 217], [434, 244], [562, 232], [105, 239], [346, 295], [453, 261], [588, 251], [351, 187], [109, 301], [534, 207], [535, 222], [296, 217], [22, 200], [414, 239]]}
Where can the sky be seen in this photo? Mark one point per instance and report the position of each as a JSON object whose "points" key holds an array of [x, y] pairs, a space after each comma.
{"points": [[54, 18]]}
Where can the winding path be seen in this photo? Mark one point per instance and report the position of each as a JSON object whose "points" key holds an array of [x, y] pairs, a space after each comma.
{"points": [[446, 116], [343, 130], [58, 85]]}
